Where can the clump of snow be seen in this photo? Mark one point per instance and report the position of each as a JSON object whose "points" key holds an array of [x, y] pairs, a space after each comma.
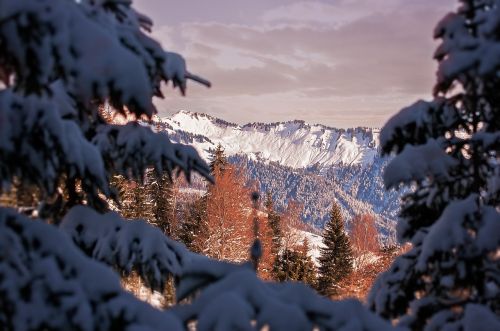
{"points": [[239, 298], [132, 148], [418, 123], [453, 229], [32, 122], [125, 245], [47, 283], [416, 163]]}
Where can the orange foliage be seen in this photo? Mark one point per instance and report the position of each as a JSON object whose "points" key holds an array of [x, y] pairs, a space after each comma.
{"points": [[359, 282], [228, 232], [267, 259], [364, 238]]}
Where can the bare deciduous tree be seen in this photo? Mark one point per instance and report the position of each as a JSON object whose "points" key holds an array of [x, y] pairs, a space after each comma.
{"points": [[364, 239], [229, 227]]}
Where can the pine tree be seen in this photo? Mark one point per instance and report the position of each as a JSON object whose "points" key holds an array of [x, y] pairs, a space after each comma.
{"points": [[310, 274], [335, 261], [447, 154], [218, 159], [133, 199]]}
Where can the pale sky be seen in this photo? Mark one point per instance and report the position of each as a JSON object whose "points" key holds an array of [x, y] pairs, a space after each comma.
{"points": [[342, 63]]}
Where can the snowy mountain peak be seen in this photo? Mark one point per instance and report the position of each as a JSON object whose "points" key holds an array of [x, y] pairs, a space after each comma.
{"points": [[183, 117], [296, 144]]}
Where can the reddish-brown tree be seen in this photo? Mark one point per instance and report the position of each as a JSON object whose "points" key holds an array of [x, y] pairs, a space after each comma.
{"points": [[268, 258], [228, 234], [359, 282], [364, 239]]}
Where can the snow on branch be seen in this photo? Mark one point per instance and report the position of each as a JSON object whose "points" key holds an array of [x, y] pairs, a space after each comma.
{"points": [[465, 230], [97, 48], [461, 51], [131, 148], [239, 298], [31, 126], [125, 245], [223, 296], [417, 123], [457, 227], [47, 283], [387, 297], [71, 56], [417, 163]]}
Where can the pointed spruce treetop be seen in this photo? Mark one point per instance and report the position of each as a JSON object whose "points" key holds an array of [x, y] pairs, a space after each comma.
{"points": [[218, 160], [335, 261]]}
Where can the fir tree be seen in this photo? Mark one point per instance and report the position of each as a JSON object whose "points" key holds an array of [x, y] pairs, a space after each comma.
{"points": [[194, 224], [447, 153], [295, 265], [218, 159], [133, 199], [161, 193], [54, 140], [310, 273], [335, 261]]}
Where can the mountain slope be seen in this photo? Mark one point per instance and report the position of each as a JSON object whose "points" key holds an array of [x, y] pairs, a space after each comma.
{"points": [[295, 144], [356, 190], [311, 164]]}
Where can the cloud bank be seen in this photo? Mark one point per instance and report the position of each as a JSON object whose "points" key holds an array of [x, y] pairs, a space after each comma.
{"points": [[342, 63]]}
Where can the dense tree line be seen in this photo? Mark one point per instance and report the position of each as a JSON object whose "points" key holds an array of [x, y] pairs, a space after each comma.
{"points": [[356, 190], [218, 224]]}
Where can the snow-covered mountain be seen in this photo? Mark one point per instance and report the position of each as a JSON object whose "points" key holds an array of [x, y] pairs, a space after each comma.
{"points": [[295, 144], [311, 164]]}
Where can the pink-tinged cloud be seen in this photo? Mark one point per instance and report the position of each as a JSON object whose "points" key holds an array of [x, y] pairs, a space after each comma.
{"points": [[342, 63]]}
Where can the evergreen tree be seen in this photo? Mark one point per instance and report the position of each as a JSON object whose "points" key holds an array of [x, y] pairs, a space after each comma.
{"points": [[218, 159], [447, 153], [310, 273], [194, 224], [274, 225], [59, 61], [335, 261], [295, 265], [133, 198], [161, 193]]}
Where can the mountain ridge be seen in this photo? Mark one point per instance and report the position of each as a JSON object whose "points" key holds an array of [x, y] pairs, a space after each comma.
{"points": [[313, 165], [292, 143]]}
